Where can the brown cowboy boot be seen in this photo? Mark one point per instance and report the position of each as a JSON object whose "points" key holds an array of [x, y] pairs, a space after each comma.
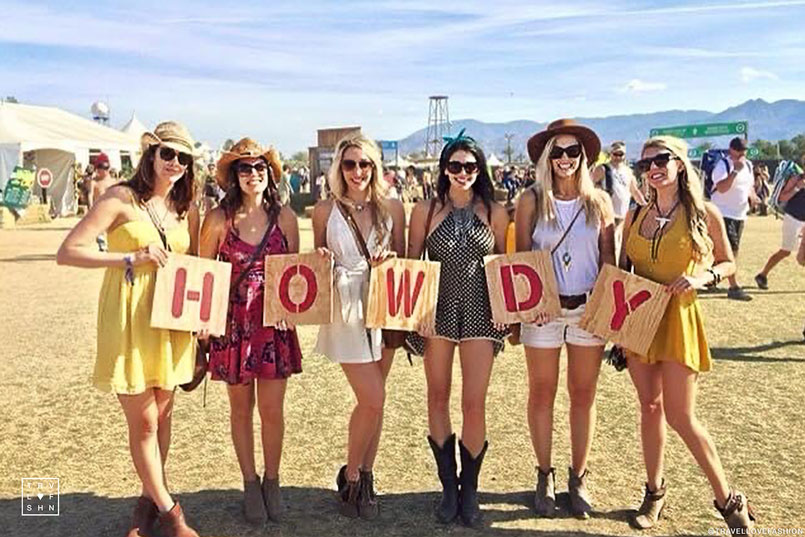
{"points": [[545, 496], [254, 510], [172, 523], [145, 515], [367, 499], [580, 503], [651, 508], [273, 498], [737, 512]]}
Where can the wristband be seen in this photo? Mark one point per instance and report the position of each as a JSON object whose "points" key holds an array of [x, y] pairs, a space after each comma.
{"points": [[128, 260], [716, 277]]}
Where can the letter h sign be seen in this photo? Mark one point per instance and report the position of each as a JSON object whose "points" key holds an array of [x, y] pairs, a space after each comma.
{"points": [[191, 294], [520, 286]]}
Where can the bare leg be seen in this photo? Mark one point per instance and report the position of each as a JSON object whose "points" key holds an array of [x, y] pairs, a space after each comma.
{"points": [[270, 402], [439, 376], [164, 400], [543, 378], [384, 365], [647, 379], [367, 384], [583, 365], [679, 398], [241, 412], [775, 258], [476, 367], [142, 418]]}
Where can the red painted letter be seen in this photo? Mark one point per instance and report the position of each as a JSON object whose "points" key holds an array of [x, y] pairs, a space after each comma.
{"points": [[206, 296], [507, 280], [403, 294], [285, 284], [179, 283], [623, 307]]}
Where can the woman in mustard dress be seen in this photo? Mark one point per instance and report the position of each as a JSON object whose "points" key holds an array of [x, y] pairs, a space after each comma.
{"points": [[671, 241], [142, 365]]}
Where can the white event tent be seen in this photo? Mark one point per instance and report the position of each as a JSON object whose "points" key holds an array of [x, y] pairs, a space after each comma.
{"points": [[56, 140]]}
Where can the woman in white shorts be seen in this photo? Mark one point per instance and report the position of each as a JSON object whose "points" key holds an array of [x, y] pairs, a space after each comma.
{"points": [[564, 212], [358, 194]]}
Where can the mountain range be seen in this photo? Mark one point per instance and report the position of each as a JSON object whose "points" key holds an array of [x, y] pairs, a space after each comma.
{"points": [[768, 121]]}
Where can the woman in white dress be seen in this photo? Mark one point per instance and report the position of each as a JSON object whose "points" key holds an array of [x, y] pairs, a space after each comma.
{"points": [[360, 194]]}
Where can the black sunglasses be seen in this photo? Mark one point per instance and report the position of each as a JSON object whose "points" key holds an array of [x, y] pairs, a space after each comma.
{"points": [[660, 161], [102, 167], [572, 151], [455, 167], [246, 169], [349, 165], [168, 154]]}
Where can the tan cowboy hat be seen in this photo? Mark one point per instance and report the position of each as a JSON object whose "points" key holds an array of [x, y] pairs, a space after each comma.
{"points": [[171, 134], [589, 140], [247, 148]]}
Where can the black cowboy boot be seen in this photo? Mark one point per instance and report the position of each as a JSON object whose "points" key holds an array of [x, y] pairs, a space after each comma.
{"points": [[468, 494], [445, 457]]}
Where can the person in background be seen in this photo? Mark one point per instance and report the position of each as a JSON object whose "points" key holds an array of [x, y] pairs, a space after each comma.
{"points": [[793, 196], [762, 190], [733, 191], [101, 181]]}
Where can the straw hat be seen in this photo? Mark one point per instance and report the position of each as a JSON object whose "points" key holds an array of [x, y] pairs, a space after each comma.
{"points": [[585, 135], [171, 134], [247, 148]]}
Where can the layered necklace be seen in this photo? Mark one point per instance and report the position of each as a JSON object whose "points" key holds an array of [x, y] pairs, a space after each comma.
{"points": [[463, 218], [359, 206]]}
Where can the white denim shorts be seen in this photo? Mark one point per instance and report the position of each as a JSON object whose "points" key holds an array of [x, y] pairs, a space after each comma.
{"points": [[791, 230], [563, 329]]}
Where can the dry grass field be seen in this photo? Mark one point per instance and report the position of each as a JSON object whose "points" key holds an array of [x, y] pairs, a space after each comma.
{"points": [[54, 423]]}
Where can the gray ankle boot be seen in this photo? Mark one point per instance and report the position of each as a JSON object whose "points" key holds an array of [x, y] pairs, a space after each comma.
{"points": [[651, 509], [272, 496], [545, 496], [737, 512], [254, 510], [580, 503]]}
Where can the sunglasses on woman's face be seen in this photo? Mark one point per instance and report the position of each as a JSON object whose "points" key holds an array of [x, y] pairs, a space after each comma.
{"points": [[572, 151], [660, 161], [349, 165], [244, 168], [455, 167], [168, 154]]}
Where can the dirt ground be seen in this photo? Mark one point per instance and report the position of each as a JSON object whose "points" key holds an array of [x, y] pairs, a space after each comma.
{"points": [[55, 424]]}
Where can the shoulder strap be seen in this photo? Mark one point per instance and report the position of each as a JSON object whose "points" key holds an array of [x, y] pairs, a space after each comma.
{"points": [[356, 232], [564, 236], [427, 227], [157, 226], [272, 221]]}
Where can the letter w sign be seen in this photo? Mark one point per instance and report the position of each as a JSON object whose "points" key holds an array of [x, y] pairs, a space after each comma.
{"points": [[403, 294]]}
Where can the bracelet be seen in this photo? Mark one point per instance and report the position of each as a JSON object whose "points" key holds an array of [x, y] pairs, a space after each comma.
{"points": [[128, 260], [716, 277]]}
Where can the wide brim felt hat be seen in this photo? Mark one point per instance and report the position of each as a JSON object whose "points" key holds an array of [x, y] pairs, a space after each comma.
{"points": [[586, 136], [170, 134], [247, 148]]}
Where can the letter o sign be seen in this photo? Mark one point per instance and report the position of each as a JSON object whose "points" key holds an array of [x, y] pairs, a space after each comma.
{"points": [[312, 288]]}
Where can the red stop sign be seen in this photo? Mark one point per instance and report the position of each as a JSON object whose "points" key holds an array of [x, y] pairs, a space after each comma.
{"points": [[44, 177]]}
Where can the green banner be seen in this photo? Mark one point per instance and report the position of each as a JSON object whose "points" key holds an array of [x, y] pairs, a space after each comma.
{"points": [[17, 193], [704, 130]]}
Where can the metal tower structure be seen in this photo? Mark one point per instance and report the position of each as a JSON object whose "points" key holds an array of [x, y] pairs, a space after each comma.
{"points": [[438, 125]]}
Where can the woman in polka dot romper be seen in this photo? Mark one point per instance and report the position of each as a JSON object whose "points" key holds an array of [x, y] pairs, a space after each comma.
{"points": [[465, 224]]}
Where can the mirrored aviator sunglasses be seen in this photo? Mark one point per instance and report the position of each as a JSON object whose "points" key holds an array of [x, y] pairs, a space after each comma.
{"points": [[349, 165], [660, 161], [455, 167], [168, 154]]}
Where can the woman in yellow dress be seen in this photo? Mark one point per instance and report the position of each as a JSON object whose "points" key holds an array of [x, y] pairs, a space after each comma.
{"points": [[144, 218], [670, 241]]}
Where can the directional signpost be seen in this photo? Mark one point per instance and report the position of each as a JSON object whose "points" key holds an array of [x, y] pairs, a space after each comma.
{"points": [[704, 130]]}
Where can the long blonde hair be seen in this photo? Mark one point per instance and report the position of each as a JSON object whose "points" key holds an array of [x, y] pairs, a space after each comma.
{"points": [[378, 189], [691, 197], [595, 205]]}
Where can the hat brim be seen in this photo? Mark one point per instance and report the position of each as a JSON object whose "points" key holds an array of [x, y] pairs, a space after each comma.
{"points": [[588, 138], [227, 158], [149, 139]]}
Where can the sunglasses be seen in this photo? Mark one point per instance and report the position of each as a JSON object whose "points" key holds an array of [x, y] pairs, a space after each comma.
{"points": [[572, 151], [102, 167], [455, 167], [618, 153], [660, 161], [168, 154], [246, 169], [349, 165]]}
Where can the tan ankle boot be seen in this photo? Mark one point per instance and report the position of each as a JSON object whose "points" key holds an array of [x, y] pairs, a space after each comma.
{"points": [[145, 515], [737, 512], [545, 496], [580, 503], [651, 508], [272, 496], [254, 510], [172, 523]]}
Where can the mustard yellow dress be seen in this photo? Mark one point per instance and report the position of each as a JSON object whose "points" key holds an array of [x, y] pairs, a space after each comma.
{"points": [[680, 336], [132, 356]]}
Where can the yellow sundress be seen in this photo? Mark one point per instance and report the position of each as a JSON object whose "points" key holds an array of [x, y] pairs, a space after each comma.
{"points": [[680, 336], [132, 356]]}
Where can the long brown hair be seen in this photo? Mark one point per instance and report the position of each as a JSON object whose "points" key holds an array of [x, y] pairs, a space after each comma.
{"points": [[182, 193], [233, 198]]}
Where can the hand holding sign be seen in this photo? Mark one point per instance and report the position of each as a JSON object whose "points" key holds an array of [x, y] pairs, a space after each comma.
{"points": [[625, 308], [298, 289], [522, 287]]}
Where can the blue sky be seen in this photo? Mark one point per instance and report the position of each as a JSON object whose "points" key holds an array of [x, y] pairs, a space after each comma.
{"points": [[277, 71]]}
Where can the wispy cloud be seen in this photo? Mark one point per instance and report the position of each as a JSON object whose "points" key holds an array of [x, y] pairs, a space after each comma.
{"points": [[640, 86], [748, 74]]}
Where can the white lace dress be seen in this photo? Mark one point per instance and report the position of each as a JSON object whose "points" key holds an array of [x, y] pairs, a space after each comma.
{"points": [[346, 339]]}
